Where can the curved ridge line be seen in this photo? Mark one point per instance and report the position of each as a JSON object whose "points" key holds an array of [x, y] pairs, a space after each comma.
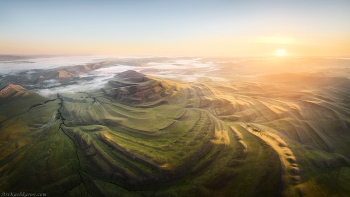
{"points": [[286, 157]]}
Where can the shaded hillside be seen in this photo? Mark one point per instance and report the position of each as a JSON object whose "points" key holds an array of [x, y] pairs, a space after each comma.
{"points": [[15, 100]]}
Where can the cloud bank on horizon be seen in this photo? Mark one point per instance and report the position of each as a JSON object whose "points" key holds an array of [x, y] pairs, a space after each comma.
{"points": [[175, 27]]}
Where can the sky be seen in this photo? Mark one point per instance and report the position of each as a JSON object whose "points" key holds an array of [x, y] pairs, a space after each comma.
{"points": [[176, 27]]}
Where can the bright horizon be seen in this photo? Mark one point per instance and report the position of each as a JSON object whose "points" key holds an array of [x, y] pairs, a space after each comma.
{"points": [[195, 28]]}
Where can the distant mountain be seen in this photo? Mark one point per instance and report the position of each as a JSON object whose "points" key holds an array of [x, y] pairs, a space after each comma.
{"points": [[66, 73], [130, 74], [39, 80], [133, 76], [12, 90]]}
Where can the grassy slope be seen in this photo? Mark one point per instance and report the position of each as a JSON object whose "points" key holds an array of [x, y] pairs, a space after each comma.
{"points": [[145, 137]]}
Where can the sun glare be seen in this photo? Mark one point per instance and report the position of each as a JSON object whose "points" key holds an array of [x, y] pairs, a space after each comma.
{"points": [[281, 52]]}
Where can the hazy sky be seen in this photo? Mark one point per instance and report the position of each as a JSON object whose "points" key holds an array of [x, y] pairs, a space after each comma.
{"points": [[177, 27]]}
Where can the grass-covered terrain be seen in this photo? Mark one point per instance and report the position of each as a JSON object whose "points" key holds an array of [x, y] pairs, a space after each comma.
{"points": [[143, 136]]}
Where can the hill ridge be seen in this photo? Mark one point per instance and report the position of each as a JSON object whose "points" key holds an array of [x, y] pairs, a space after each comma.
{"points": [[11, 89]]}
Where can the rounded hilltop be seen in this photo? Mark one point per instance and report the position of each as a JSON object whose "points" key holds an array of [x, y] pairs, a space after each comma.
{"points": [[130, 74], [10, 90]]}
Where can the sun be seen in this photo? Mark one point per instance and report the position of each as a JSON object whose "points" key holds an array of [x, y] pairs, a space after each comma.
{"points": [[281, 52]]}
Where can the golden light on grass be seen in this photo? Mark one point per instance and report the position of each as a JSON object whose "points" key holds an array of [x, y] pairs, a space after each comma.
{"points": [[281, 52]]}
